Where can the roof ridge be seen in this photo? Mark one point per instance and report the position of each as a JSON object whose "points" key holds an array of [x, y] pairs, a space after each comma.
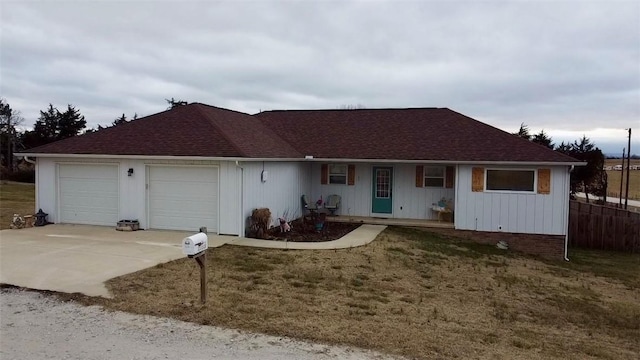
{"points": [[222, 133], [362, 109], [272, 133], [219, 108]]}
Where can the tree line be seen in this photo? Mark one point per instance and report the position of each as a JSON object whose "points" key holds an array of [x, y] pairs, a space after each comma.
{"points": [[52, 125], [591, 178]]}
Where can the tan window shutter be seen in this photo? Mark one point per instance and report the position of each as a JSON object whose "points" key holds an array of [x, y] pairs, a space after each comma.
{"points": [[351, 174], [324, 174], [544, 181], [477, 179], [419, 176], [449, 177]]}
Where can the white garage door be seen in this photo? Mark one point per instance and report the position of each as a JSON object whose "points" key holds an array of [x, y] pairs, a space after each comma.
{"points": [[183, 198], [88, 194]]}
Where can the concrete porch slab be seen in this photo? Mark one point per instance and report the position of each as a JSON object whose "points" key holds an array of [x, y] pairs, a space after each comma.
{"points": [[390, 221]]}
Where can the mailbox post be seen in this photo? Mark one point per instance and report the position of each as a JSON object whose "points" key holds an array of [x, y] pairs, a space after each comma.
{"points": [[195, 247]]}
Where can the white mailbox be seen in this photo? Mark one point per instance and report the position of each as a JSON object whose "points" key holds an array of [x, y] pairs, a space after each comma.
{"points": [[195, 244]]}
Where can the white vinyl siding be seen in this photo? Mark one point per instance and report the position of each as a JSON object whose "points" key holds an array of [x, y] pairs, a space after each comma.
{"points": [[516, 212], [88, 194], [409, 201], [282, 191], [183, 198]]}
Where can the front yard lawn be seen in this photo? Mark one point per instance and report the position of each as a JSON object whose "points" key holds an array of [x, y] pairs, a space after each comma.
{"points": [[15, 198], [410, 292]]}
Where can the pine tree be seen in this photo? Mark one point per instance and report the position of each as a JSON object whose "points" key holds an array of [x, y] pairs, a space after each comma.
{"points": [[119, 121], [9, 120], [53, 125], [523, 132], [588, 178], [543, 139]]}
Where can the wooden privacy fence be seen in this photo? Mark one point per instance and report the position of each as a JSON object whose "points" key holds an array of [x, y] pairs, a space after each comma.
{"points": [[605, 228]]}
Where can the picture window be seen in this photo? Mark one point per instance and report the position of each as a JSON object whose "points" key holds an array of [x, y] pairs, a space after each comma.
{"points": [[511, 180]]}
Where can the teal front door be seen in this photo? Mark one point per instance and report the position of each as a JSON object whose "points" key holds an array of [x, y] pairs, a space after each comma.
{"points": [[382, 202]]}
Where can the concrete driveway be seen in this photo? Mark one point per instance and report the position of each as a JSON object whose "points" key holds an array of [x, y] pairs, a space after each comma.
{"points": [[80, 258]]}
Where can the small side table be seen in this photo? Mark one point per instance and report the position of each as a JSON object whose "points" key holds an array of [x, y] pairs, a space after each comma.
{"points": [[441, 211]]}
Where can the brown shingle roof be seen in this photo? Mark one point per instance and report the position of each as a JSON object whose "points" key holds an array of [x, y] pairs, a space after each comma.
{"points": [[402, 134], [190, 130], [436, 134]]}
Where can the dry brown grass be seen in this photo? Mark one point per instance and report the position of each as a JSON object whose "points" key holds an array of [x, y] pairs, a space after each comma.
{"points": [[614, 178], [15, 198], [409, 292]]}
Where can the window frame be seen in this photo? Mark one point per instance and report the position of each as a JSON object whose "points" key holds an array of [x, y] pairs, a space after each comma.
{"points": [[533, 191], [425, 177], [345, 175]]}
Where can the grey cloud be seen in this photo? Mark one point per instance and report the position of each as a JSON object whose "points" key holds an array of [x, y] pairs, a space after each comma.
{"points": [[568, 66]]}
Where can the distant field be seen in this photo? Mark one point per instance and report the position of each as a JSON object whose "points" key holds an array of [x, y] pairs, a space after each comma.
{"points": [[614, 178], [612, 162]]}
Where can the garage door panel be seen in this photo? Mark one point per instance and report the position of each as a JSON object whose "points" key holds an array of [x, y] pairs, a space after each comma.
{"points": [[88, 171], [170, 222], [183, 198], [88, 194], [88, 200], [186, 206], [194, 188], [183, 174], [88, 186], [88, 215]]}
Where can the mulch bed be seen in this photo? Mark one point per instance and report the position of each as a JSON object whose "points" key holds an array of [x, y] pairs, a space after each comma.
{"points": [[301, 231]]}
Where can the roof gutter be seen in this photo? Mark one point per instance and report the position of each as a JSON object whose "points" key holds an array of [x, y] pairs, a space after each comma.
{"points": [[152, 157], [306, 158], [451, 162]]}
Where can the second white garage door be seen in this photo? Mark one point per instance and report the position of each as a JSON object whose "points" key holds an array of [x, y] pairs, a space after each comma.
{"points": [[183, 198]]}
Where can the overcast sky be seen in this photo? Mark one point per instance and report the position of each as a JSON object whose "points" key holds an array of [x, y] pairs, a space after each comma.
{"points": [[570, 68]]}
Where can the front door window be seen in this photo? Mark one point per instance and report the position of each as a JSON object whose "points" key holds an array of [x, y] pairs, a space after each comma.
{"points": [[383, 183]]}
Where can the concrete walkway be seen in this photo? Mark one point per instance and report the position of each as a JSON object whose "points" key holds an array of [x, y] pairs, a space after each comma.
{"points": [[80, 258], [358, 237]]}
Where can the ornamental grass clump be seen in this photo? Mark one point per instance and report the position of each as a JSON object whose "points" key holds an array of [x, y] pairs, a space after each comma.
{"points": [[260, 220]]}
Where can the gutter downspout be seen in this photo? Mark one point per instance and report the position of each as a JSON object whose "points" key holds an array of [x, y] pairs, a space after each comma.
{"points": [[566, 235], [26, 158], [241, 228]]}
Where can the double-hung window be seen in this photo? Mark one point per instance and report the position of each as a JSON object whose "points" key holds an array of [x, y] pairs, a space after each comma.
{"points": [[434, 176], [338, 174]]}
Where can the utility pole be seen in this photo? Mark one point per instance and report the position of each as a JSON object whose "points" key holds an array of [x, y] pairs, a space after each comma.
{"points": [[9, 158], [626, 196], [621, 180]]}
